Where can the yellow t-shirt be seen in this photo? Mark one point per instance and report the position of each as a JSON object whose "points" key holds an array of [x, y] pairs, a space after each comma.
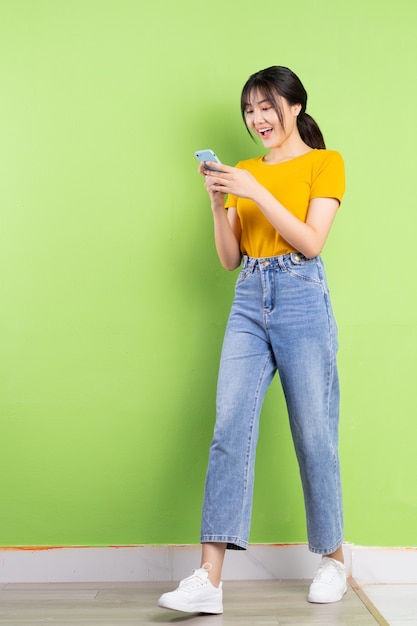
{"points": [[315, 174]]}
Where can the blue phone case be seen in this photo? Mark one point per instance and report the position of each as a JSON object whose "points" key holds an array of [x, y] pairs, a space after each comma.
{"points": [[207, 155]]}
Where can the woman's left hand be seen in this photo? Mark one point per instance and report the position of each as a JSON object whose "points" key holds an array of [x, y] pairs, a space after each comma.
{"points": [[231, 180]]}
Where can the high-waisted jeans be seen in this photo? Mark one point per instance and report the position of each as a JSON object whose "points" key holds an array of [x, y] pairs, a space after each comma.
{"points": [[281, 319]]}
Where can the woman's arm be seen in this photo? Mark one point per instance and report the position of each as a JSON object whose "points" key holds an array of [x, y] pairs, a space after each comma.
{"points": [[227, 229], [227, 237], [308, 237]]}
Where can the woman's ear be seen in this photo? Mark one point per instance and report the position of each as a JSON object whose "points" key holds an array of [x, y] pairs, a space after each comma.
{"points": [[297, 108]]}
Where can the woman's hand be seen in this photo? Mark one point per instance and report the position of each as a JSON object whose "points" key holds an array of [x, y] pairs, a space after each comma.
{"points": [[215, 194], [230, 180]]}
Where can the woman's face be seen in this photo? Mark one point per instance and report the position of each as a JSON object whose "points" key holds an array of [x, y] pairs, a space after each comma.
{"points": [[262, 118]]}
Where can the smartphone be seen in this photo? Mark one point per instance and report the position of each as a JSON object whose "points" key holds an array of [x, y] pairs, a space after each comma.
{"points": [[207, 155]]}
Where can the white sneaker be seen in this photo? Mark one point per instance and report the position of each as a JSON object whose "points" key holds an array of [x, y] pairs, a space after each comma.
{"points": [[329, 584], [195, 594]]}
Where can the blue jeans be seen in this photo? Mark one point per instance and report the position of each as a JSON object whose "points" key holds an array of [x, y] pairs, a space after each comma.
{"points": [[281, 319]]}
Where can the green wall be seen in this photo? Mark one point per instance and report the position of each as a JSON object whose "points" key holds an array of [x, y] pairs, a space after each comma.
{"points": [[113, 303]]}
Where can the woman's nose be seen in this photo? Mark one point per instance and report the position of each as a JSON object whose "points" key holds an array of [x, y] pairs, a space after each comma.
{"points": [[258, 115]]}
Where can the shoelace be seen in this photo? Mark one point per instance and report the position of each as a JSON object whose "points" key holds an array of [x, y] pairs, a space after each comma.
{"points": [[327, 572], [194, 581]]}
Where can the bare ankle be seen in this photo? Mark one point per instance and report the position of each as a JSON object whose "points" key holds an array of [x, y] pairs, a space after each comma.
{"points": [[212, 561], [337, 555]]}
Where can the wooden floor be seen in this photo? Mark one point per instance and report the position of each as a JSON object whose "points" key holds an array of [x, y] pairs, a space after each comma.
{"points": [[248, 603]]}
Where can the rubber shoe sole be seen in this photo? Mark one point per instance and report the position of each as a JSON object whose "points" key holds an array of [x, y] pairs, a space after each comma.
{"points": [[174, 604], [325, 597]]}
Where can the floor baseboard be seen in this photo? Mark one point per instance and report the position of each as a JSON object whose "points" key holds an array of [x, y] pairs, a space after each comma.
{"points": [[171, 563]]}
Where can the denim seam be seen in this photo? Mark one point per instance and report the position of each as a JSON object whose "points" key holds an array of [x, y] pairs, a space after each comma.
{"points": [[332, 370], [253, 414], [269, 293], [325, 551], [304, 278], [232, 540]]}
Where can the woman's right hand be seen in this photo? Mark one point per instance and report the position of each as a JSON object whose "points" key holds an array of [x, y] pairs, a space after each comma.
{"points": [[216, 197]]}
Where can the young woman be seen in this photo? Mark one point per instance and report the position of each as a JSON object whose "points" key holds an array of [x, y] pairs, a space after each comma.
{"points": [[272, 215]]}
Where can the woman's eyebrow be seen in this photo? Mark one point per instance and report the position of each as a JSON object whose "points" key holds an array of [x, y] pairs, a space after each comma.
{"points": [[249, 104]]}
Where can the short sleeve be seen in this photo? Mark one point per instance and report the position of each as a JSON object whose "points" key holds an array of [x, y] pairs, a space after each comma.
{"points": [[230, 201], [329, 176]]}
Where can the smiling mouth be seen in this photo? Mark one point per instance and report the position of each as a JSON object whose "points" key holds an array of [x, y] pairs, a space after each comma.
{"points": [[265, 131]]}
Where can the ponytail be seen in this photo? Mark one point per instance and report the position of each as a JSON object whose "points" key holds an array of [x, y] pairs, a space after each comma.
{"points": [[309, 131]]}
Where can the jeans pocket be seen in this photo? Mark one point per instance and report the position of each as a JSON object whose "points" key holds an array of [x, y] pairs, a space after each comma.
{"points": [[243, 274], [305, 269]]}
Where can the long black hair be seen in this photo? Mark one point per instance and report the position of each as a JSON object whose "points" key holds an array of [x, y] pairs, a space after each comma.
{"points": [[280, 81]]}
